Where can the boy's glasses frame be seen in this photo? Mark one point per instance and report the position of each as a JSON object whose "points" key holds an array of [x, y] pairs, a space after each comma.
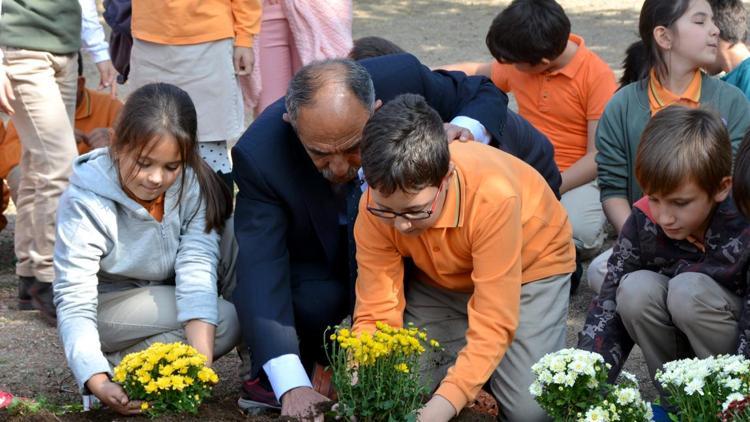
{"points": [[409, 215]]}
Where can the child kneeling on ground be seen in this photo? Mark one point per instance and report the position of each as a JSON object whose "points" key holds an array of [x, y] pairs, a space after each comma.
{"points": [[492, 254], [676, 281], [138, 248]]}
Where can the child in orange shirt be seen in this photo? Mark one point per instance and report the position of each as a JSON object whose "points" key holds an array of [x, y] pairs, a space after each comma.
{"points": [[492, 255], [562, 88], [201, 46]]}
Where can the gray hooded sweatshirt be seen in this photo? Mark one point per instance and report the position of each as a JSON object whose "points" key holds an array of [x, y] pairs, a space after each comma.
{"points": [[108, 242]]}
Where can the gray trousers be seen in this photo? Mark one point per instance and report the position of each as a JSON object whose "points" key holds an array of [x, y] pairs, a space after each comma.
{"points": [[689, 315], [586, 217], [132, 320], [598, 270], [541, 329]]}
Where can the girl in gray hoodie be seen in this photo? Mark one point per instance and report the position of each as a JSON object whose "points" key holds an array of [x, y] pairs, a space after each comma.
{"points": [[137, 255]]}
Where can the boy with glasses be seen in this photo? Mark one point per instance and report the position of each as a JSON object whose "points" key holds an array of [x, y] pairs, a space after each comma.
{"points": [[491, 249]]}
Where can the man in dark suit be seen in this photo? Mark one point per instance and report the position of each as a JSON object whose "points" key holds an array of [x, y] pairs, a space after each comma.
{"points": [[297, 171]]}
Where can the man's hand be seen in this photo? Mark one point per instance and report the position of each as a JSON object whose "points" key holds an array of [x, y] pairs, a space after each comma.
{"points": [[438, 409], [107, 77], [243, 60], [112, 395], [6, 93], [99, 137], [454, 132], [301, 402]]}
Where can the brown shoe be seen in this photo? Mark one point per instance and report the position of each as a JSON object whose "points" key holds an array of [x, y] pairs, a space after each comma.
{"points": [[41, 299]]}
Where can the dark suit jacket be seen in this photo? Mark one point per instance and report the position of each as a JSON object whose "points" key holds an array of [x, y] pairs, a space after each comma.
{"points": [[286, 220]]}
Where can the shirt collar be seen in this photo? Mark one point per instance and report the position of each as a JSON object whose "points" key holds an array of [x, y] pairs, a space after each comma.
{"points": [[576, 62], [452, 215], [660, 97], [83, 110]]}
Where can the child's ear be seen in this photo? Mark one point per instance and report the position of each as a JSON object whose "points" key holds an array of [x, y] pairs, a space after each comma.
{"points": [[663, 37], [724, 188]]}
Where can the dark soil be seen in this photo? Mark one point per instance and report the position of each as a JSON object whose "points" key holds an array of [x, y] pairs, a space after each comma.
{"points": [[214, 410]]}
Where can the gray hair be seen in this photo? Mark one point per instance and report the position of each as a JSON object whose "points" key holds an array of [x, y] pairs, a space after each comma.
{"points": [[308, 80]]}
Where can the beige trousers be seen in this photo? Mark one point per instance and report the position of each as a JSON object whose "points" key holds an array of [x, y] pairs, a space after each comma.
{"points": [[44, 85], [541, 329], [586, 217], [689, 315]]}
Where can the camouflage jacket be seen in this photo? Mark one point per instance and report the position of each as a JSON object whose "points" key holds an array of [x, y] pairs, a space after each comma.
{"points": [[643, 245]]}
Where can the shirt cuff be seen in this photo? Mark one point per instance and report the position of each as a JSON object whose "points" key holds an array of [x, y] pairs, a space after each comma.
{"points": [[477, 129], [286, 372]]}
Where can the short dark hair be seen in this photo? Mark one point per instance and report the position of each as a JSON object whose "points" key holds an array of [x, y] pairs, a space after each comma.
{"points": [[368, 47], [404, 146], [681, 144], [528, 31], [308, 80], [741, 178], [731, 18]]}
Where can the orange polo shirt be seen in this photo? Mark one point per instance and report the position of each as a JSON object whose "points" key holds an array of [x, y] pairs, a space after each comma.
{"points": [[501, 226], [181, 22], [660, 97], [561, 103], [96, 110]]}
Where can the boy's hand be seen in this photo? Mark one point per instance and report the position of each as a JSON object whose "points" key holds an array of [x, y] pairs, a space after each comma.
{"points": [[453, 132], [300, 403], [438, 409], [6, 93], [112, 395], [107, 77], [243, 60]]}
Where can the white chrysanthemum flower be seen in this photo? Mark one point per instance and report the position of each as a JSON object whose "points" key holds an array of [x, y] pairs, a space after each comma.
{"points": [[733, 384], [625, 396], [596, 414], [559, 378], [535, 389], [695, 386]]}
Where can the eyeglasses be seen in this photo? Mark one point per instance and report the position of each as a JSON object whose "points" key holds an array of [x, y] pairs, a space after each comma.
{"points": [[409, 215]]}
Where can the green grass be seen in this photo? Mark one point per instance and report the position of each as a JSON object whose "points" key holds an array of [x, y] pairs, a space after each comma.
{"points": [[27, 407]]}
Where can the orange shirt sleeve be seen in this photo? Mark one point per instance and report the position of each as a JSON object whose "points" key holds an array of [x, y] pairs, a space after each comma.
{"points": [[493, 309], [380, 281], [499, 74], [247, 16], [601, 86], [10, 150]]}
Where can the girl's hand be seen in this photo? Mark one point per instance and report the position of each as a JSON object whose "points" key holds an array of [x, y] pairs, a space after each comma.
{"points": [[112, 395]]}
